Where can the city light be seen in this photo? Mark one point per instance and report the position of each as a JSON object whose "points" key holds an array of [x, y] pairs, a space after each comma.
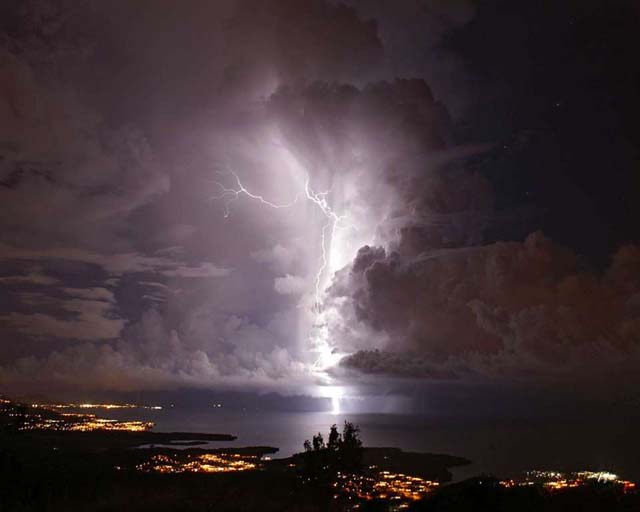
{"points": [[82, 423], [554, 481], [204, 463], [48, 417], [383, 485], [96, 406]]}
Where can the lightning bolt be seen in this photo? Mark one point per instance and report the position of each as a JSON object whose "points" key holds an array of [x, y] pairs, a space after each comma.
{"points": [[319, 338], [333, 222], [230, 195]]}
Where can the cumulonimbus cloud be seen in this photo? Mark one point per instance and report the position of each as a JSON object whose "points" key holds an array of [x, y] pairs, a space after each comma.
{"points": [[504, 309]]}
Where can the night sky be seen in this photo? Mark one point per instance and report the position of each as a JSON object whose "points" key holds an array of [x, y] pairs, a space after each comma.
{"points": [[351, 200]]}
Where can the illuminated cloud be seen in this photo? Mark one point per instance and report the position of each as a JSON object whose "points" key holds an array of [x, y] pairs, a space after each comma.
{"points": [[115, 248], [32, 278], [290, 285], [517, 310], [90, 314], [279, 257], [205, 269], [151, 356], [115, 264]]}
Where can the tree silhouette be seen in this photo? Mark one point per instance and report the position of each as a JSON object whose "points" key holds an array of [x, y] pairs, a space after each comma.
{"points": [[350, 449], [318, 442], [334, 439], [342, 454]]}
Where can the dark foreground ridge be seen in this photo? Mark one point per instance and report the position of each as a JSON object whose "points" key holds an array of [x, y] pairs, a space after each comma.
{"points": [[430, 466], [48, 470]]}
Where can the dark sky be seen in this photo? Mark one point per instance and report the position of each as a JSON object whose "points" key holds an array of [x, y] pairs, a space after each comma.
{"points": [[323, 198], [562, 77]]}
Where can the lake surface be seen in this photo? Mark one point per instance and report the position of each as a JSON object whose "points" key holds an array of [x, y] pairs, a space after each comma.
{"points": [[500, 447]]}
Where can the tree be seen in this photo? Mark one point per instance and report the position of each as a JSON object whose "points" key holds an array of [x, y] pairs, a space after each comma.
{"points": [[351, 436], [341, 454], [318, 442], [350, 452], [334, 439]]}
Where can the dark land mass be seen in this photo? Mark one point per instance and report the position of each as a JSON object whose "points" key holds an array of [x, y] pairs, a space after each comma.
{"points": [[485, 494], [99, 471], [120, 448], [116, 439], [430, 466], [37, 475], [62, 471], [244, 451]]}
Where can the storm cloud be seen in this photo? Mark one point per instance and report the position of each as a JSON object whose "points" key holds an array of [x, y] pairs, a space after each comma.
{"points": [[131, 260], [505, 310]]}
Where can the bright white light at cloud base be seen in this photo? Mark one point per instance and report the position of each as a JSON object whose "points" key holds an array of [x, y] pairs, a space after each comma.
{"points": [[326, 356], [338, 240], [335, 394]]}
